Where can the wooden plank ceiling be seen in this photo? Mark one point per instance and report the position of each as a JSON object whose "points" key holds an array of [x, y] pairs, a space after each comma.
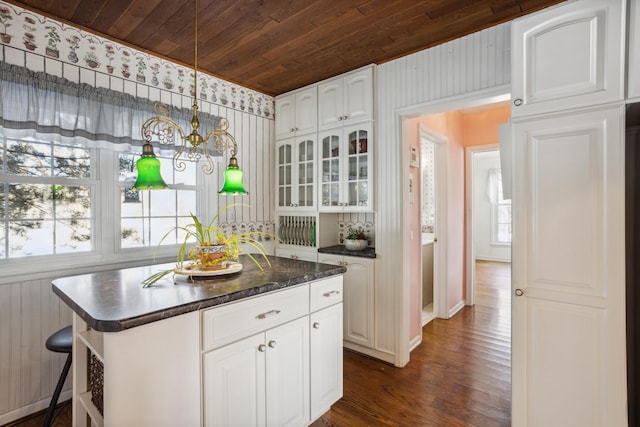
{"points": [[275, 46]]}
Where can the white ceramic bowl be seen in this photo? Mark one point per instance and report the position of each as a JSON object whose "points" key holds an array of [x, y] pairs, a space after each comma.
{"points": [[355, 245]]}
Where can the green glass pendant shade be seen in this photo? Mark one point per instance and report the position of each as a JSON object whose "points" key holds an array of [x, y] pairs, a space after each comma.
{"points": [[149, 177], [233, 180]]}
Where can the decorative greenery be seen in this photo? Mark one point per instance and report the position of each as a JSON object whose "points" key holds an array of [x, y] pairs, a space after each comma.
{"points": [[356, 233], [53, 38], [211, 234]]}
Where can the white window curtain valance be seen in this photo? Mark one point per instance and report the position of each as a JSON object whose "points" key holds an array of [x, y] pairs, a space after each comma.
{"points": [[40, 105]]}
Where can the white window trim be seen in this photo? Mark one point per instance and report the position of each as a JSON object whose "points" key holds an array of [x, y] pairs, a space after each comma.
{"points": [[106, 253]]}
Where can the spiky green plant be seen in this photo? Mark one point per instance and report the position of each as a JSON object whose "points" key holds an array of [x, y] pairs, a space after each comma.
{"points": [[212, 234]]}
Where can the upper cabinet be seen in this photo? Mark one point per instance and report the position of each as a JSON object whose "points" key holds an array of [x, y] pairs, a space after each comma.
{"points": [[295, 168], [633, 85], [297, 113], [346, 99], [345, 168], [568, 57]]}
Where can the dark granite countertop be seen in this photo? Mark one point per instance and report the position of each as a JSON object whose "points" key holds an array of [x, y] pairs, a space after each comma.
{"points": [[341, 250], [115, 300]]}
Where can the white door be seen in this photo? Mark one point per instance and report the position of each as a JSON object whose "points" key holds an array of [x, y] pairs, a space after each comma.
{"points": [[234, 384], [287, 374], [326, 359], [568, 344]]}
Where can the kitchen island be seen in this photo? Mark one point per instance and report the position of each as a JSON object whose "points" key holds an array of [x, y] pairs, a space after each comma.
{"points": [[251, 348]]}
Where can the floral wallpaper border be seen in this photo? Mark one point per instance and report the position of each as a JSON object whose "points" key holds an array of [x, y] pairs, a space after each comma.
{"points": [[23, 29]]}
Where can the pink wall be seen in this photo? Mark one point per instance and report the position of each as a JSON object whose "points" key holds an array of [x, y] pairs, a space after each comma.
{"points": [[461, 131]]}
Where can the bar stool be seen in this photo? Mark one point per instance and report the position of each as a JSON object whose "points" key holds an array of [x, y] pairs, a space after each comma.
{"points": [[59, 342]]}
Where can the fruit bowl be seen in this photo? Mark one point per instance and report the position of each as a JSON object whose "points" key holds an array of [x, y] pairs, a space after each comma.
{"points": [[355, 245]]}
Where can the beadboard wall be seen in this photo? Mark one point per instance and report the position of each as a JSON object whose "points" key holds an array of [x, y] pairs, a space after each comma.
{"points": [[472, 64], [29, 310]]}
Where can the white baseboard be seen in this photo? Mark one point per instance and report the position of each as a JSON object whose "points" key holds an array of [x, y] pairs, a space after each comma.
{"points": [[24, 411], [415, 342], [455, 309]]}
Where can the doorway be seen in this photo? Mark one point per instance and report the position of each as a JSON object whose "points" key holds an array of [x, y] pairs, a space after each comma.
{"points": [[431, 198], [488, 224]]}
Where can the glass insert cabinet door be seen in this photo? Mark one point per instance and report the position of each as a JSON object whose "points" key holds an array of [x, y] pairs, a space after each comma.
{"points": [[358, 165], [296, 160], [345, 168], [306, 188], [284, 174], [330, 166]]}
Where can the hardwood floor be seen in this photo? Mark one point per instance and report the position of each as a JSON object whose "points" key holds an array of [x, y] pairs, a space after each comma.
{"points": [[459, 376]]}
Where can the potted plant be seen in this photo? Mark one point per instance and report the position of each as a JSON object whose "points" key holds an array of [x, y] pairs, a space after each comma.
{"points": [[355, 240], [5, 17], [53, 38], [214, 248]]}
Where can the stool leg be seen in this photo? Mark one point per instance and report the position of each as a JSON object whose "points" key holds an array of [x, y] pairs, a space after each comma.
{"points": [[56, 394]]}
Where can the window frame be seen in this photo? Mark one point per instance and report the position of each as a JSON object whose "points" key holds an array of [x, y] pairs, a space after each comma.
{"points": [[106, 249]]}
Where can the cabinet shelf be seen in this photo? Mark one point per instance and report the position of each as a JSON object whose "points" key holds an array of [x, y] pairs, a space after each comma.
{"points": [[96, 418], [93, 340]]}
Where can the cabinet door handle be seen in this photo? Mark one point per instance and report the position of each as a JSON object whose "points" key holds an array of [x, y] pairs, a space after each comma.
{"points": [[328, 294], [272, 344], [316, 325], [262, 348], [344, 117], [517, 102], [268, 314], [294, 256], [519, 292]]}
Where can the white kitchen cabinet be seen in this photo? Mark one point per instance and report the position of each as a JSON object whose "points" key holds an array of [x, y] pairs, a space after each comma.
{"points": [[358, 298], [633, 74], [297, 113], [262, 366], [230, 372], [270, 371], [303, 254], [568, 270], [326, 358], [568, 56], [345, 168], [346, 99], [296, 173]]}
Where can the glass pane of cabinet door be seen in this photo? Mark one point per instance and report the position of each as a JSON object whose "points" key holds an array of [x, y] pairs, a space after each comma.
{"points": [[284, 175], [330, 164], [358, 165], [306, 173]]}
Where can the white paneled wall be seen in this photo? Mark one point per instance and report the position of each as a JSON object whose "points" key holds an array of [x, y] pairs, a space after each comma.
{"points": [[475, 63], [30, 311]]}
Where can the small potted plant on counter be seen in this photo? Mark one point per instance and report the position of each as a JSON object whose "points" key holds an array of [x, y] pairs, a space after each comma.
{"points": [[214, 250], [356, 240]]}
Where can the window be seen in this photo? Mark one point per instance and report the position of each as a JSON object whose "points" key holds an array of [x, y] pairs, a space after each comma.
{"points": [[46, 197], [145, 216], [500, 210]]}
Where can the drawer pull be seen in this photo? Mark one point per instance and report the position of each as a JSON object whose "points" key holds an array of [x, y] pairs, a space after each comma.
{"points": [[262, 348], [272, 344], [316, 325], [329, 294], [268, 314]]}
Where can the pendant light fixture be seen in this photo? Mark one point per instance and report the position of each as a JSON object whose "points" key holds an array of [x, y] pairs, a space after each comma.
{"points": [[194, 147]]}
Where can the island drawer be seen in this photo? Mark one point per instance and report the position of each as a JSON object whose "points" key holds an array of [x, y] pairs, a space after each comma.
{"points": [[325, 292], [232, 322]]}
